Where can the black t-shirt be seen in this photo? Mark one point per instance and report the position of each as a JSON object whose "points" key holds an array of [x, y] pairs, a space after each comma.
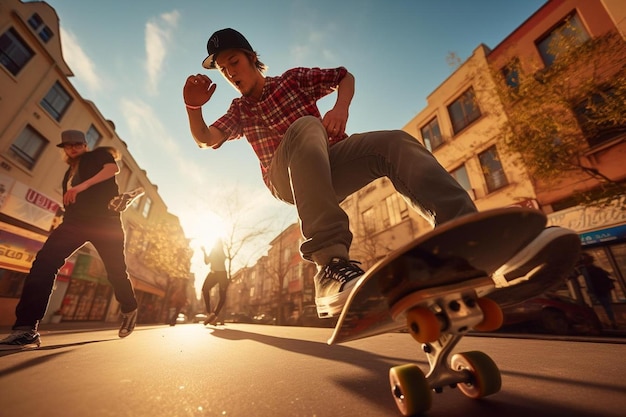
{"points": [[94, 201]]}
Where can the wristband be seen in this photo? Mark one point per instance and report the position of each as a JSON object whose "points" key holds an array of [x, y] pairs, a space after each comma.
{"points": [[192, 107]]}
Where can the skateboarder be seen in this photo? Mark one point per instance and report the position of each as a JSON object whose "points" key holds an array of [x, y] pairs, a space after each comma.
{"points": [[88, 186], [217, 276], [308, 160], [179, 300], [599, 284]]}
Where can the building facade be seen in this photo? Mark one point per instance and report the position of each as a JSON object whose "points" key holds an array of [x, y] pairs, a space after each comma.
{"points": [[38, 102]]}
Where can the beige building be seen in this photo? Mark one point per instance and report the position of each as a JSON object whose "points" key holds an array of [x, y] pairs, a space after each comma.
{"points": [[38, 102]]}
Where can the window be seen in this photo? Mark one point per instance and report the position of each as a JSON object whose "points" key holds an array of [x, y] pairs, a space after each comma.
{"points": [[511, 74], [492, 169], [568, 33], [56, 101], [463, 110], [146, 208], [35, 21], [594, 116], [14, 52], [28, 147], [135, 203], [460, 175], [369, 220], [11, 283], [44, 32], [396, 208], [92, 136], [432, 135]]}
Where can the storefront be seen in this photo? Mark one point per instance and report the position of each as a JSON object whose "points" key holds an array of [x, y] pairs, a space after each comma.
{"points": [[89, 293], [602, 232], [18, 248]]}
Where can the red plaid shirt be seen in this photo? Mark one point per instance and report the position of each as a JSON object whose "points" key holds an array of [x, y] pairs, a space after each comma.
{"points": [[284, 100]]}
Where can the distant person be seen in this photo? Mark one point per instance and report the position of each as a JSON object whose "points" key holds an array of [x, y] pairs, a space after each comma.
{"points": [[216, 276], [308, 160], [599, 284], [88, 186], [179, 300]]}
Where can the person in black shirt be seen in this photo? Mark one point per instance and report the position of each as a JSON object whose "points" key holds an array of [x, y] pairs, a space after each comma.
{"points": [[88, 187]]}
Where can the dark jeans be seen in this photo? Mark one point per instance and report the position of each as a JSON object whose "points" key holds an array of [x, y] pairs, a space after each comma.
{"points": [[177, 310], [106, 235], [220, 278]]}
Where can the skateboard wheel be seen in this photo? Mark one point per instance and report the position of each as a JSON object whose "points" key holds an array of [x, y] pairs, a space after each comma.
{"points": [[485, 376], [410, 389], [492, 315], [423, 325]]}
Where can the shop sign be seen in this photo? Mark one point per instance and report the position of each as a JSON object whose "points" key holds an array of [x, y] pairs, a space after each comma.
{"points": [[605, 235], [21, 202], [17, 252], [586, 218], [89, 268]]}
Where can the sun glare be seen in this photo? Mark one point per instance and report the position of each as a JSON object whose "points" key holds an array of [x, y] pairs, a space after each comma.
{"points": [[203, 229]]}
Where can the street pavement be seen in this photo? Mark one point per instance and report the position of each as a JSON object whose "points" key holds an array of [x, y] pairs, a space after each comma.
{"points": [[256, 370]]}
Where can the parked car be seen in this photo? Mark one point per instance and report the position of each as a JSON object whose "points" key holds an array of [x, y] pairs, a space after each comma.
{"points": [[554, 314], [264, 319], [181, 319], [309, 318], [238, 318], [199, 318]]}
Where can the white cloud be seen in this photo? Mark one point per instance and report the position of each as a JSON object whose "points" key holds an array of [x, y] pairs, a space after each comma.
{"points": [[158, 36], [151, 135], [81, 65]]}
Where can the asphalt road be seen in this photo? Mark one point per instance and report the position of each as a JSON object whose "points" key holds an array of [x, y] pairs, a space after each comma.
{"points": [[254, 370]]}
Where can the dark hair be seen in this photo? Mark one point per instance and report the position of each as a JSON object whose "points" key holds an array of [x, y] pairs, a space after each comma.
{"points": [[252, 56], [258, 64]]}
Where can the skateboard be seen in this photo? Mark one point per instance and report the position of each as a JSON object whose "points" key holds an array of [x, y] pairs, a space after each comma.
{"points": [[429, 287], [121, 202]]}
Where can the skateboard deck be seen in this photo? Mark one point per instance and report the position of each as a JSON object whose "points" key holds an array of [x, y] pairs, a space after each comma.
{"points": [[469, 248], [429, 287]]}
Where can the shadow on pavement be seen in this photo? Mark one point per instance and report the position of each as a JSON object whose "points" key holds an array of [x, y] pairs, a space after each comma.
{"points": [[50, 347], [374, 387]]}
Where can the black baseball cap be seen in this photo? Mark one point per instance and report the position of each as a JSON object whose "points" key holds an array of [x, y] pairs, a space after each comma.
{"points": [[220, 41], [70, 137]]}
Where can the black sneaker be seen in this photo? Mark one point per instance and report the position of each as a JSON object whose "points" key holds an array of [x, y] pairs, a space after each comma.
{"points": [[333, 284], [128, 323], [121, 202], [21, 339], [211, 319]]}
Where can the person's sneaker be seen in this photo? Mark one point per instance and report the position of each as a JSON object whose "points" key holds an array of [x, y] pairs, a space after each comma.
{"points": [[121, 202], [211, 319], [540, 266], [333, 283], [21, 339], [128, 323]]}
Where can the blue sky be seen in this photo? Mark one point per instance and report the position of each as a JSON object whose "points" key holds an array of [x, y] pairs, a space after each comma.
{"points": [[131, 58]]}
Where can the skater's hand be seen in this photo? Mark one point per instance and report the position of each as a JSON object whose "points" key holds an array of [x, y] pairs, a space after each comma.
{"points": [[198, 90], [335, 122], [70, 195]]}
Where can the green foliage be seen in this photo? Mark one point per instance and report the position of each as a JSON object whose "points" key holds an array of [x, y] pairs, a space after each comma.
{"points": [[557, 116], [163, 248]]}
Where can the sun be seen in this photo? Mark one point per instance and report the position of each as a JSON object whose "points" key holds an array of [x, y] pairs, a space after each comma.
{"points": [[203, 229]]}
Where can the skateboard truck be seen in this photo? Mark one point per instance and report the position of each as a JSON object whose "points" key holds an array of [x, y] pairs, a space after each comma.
{"points": [[438, 318]]}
